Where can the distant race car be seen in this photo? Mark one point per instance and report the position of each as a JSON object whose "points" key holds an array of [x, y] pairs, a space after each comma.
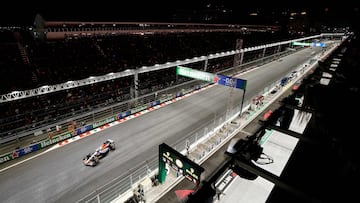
{"points": [[92, 159], [104, 149]]}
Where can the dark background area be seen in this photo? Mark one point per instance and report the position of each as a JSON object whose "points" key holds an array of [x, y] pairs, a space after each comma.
{"points": [[331, 13], [298, 16]]}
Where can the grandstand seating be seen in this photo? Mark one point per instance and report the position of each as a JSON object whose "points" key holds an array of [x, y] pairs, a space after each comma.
{"points": [[57, 61]]}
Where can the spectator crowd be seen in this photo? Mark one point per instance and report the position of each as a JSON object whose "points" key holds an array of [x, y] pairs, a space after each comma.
{"points": [[27, 63]]}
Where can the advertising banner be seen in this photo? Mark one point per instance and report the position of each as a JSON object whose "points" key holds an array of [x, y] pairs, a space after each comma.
{"points": [[56, 139], [196, 74], [6, 157], [103, 122], [84, 129], [209, 77], [180, 163], [25, 150], [230, 81], [143, 107], [122, 115], [154, 103]]}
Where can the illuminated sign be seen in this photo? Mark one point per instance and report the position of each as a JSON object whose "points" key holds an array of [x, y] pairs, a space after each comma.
{"points": [[230, 81], [179, 163], [209, 77], [313, 44], [196, 74], [301, 43], [318, 44]]}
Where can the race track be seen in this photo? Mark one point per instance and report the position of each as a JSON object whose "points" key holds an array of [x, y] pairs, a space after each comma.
{"points": [[60, 176]]}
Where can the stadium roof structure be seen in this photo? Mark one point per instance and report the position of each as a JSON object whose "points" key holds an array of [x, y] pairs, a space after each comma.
{"points": [[63, 29]]}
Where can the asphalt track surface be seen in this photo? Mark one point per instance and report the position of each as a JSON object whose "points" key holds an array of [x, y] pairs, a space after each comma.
{"points": [[60, 176]]}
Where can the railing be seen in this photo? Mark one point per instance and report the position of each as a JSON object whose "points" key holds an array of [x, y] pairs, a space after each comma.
{"points": [[123, 184], [82, 117], [59, 30], [126, 182], [132, 72]]}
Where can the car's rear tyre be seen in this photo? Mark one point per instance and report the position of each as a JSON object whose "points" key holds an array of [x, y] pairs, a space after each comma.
{"points": [[112, 147]]}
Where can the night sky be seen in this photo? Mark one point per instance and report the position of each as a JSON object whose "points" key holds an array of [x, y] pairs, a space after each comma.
{"points": [[230, 11]]}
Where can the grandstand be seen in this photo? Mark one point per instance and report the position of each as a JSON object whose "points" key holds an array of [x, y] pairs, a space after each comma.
{"points": [[64, 29], [39, 63]]}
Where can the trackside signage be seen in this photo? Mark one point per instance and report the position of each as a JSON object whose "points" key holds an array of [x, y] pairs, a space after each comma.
{"points": [[6, 157], [230, 81], [34, 147], [196, 74], [213, 78], [314, 44], [103, 122], [301, 44], [56, 139], [179, 163]]}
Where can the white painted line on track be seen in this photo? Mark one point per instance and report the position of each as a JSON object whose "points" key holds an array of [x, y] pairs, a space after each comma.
{"points": [[78, 137], [103, 127], [20, 162]]}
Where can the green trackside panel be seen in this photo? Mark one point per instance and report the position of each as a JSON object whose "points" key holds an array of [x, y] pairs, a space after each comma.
{"points": [[196, 74], [180, 163], [162, 169]]}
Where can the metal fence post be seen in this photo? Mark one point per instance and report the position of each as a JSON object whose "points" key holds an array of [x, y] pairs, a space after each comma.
{"points": [[148, 170], [131, 181], [98, 197]]}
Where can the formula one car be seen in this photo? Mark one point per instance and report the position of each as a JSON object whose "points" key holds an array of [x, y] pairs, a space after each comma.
{"points": [[92, 159], [104, 149]]}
